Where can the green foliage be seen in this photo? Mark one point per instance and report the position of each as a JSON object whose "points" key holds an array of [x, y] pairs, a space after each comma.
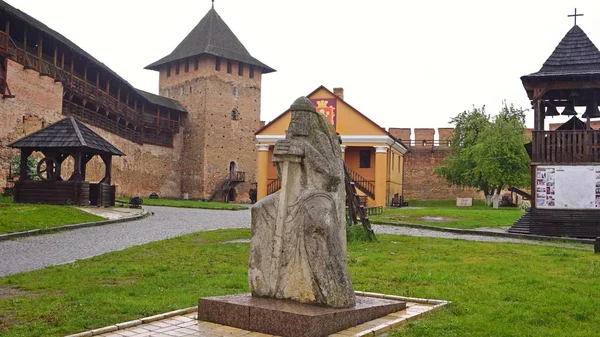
{"points": [[15, 164], [487, 153], [496, 289], [356, 233]]}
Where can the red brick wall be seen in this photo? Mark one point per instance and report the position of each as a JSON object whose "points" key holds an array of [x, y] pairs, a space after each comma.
{"points": [[38, 103], [420, 183]]}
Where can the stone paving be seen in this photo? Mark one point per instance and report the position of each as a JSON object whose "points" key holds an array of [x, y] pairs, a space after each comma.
{"points": [[184, 323]]}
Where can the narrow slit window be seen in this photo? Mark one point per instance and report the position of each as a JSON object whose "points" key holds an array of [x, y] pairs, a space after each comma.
{"points": [[240, 69], [251, 72], [229, 66], [218, 64], [187, 66]]}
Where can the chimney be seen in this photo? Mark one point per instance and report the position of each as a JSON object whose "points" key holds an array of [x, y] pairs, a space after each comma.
{"points": [[339, 92]]}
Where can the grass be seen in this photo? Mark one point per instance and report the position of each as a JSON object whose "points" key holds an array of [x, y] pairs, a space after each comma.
{"points": [[497, 289], [22, 217], [187, 204], [476, 216]]}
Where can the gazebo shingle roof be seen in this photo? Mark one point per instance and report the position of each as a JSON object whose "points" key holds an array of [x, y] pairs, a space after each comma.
{"points": [[67, 133], [211, 36], [576, 54]]}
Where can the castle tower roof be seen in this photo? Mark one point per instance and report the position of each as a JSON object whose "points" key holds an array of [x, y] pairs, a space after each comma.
{"points": [[574, 55], [211, 36]]}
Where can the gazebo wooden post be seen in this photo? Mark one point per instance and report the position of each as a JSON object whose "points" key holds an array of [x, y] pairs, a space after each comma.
{"points": [[77, 170], [23, 174]]}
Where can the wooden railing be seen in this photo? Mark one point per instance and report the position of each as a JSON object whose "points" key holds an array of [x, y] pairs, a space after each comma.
{"points": [[273, 186], [362, 183], [566, 146], [73, 84]]}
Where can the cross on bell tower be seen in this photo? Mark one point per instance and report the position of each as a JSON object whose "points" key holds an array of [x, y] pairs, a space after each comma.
{"points": [[570, 15]]}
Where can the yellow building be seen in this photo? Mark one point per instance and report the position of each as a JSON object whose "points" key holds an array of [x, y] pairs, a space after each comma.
{"points": [[373, 157]]}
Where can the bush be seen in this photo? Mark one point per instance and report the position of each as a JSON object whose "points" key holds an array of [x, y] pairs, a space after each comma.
{"points": [[524, 206], [356, 233]]}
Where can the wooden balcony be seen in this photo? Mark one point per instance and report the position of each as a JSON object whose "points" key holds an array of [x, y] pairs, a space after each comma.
{"points": [[76, 85], [581, 146]]}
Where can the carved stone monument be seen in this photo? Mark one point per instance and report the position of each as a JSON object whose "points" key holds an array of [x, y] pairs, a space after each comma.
{"points": [[298, 247], [298, 272]]}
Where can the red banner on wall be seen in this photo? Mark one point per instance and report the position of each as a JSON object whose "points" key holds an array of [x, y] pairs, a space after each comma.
{"points": [[327, 106]]}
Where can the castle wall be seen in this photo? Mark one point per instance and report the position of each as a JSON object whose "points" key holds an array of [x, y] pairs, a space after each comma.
{"points": [[38, 103], [421, 183]]}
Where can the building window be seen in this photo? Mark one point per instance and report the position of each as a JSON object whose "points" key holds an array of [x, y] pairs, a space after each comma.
{"points": [[177, 68], [235, 91], [187, 65], [365, 159], [251, 72], [235, 115], [196, 63], [229, 66], [448, 143], [167, 92], [424, 143], [218, 64], [181, 91], [168, 70], [240, 69]]}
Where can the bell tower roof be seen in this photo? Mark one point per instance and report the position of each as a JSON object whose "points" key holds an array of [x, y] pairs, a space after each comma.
{"points": [[576, 54], [211, 36]]}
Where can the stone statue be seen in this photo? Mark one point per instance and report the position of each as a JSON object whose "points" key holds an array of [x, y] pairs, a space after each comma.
{"points": [[298, 246]]}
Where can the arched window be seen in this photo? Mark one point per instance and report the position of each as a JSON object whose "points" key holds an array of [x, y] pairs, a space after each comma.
{"points": [[235, 115], [424, 143]]}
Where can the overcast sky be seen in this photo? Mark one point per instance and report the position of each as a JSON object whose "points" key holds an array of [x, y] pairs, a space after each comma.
{"points": [[402, 63]]}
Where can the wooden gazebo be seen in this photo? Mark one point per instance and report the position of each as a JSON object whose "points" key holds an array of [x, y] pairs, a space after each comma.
{"points": [[67, 137], [565, 168]]}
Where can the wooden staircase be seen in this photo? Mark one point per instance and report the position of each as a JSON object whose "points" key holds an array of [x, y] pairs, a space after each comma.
{"points": [[356, 212], [559, 222], [221, 191], [360, 182]]}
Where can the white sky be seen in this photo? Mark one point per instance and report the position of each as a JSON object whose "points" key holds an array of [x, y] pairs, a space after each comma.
{"points": [[402, 63]]}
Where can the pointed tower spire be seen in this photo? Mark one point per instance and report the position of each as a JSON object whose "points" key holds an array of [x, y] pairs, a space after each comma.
{"points": [[211, 36]]}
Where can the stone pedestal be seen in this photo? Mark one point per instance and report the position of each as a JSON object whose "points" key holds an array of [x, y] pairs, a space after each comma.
{"points": [[290, 318]]}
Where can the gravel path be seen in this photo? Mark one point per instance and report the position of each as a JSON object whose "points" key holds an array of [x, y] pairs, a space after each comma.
{"points": [[51, 249], [397, 230], [36, 252]]}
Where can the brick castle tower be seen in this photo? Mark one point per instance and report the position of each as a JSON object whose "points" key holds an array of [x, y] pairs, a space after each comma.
{"points": [[219, 83]]}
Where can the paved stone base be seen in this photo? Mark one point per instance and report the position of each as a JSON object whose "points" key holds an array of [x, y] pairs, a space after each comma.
{"points": [[289, 318]]}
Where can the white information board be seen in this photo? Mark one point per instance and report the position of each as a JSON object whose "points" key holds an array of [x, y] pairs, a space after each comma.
{"points": [[568, 187]]}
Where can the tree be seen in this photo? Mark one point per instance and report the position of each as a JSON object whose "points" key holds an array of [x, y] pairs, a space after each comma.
{"points": [[15, 166], [487, 153]]}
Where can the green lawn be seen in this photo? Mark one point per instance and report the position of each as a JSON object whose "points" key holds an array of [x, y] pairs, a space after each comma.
{"points": [[444, 213], [497, 289], [187, 203], [22, 217]]}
